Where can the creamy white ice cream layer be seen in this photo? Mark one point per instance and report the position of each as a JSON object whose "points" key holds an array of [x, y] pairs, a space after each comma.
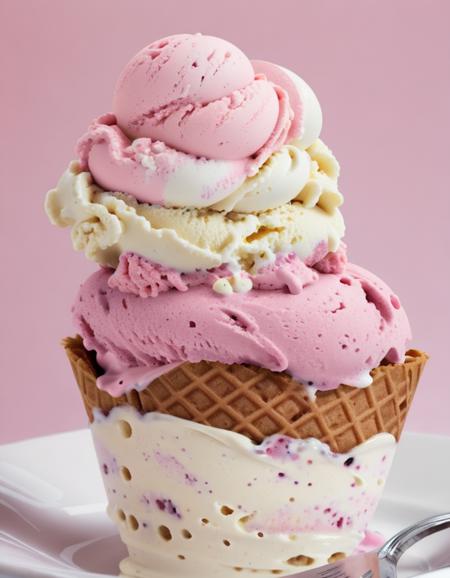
{"points": [[193, 501], [107, 224]]}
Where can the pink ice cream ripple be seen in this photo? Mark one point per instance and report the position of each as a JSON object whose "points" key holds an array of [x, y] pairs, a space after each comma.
{"points": [[139, 276], [115, 163], [333, 262], [333, 331]]}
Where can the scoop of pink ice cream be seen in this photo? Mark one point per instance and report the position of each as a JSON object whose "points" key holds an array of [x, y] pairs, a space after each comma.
{"points": [[199, 95], [335, 330], [193, 119]]}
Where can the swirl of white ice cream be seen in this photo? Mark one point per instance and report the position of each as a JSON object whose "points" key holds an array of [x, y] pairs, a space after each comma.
{"points": [[309, 176], [278, 181]]}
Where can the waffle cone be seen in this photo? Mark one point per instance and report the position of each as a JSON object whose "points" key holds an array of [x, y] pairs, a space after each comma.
{"points": [[257, 402]]}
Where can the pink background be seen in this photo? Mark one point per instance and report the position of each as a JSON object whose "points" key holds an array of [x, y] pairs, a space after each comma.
{"points": [[381, 71]]}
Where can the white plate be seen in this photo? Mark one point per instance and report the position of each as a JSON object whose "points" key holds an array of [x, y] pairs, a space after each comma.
{"points": [[53, 523]]}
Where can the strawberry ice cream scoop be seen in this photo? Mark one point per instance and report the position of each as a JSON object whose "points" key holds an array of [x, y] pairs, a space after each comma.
{"points": [[335, 330], [194, 121], [199, 95]]}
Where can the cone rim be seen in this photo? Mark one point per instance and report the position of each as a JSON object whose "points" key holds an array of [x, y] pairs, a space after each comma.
{"points": [[343, 417]]}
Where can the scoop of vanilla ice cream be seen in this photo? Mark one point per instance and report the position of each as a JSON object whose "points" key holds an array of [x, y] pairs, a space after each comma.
{"points": [[288, 505], [106, 224]]}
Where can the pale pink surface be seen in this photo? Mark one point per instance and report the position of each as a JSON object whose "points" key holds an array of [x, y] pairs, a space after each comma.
{"points": [[108, 153], [388, 129], [117, 167], [197, 94], [194, 100], [335, 329], [279, 77]]}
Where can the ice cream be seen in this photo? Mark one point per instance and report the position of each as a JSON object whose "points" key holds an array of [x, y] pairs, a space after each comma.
{"points": [[139, 165], [179, 516], [105, 225], [246, 385], [139, 276], [193, 119], [335, 330]]}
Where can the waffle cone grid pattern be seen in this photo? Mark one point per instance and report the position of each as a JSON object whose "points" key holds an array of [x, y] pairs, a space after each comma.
{"points": [[257, 402]]}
